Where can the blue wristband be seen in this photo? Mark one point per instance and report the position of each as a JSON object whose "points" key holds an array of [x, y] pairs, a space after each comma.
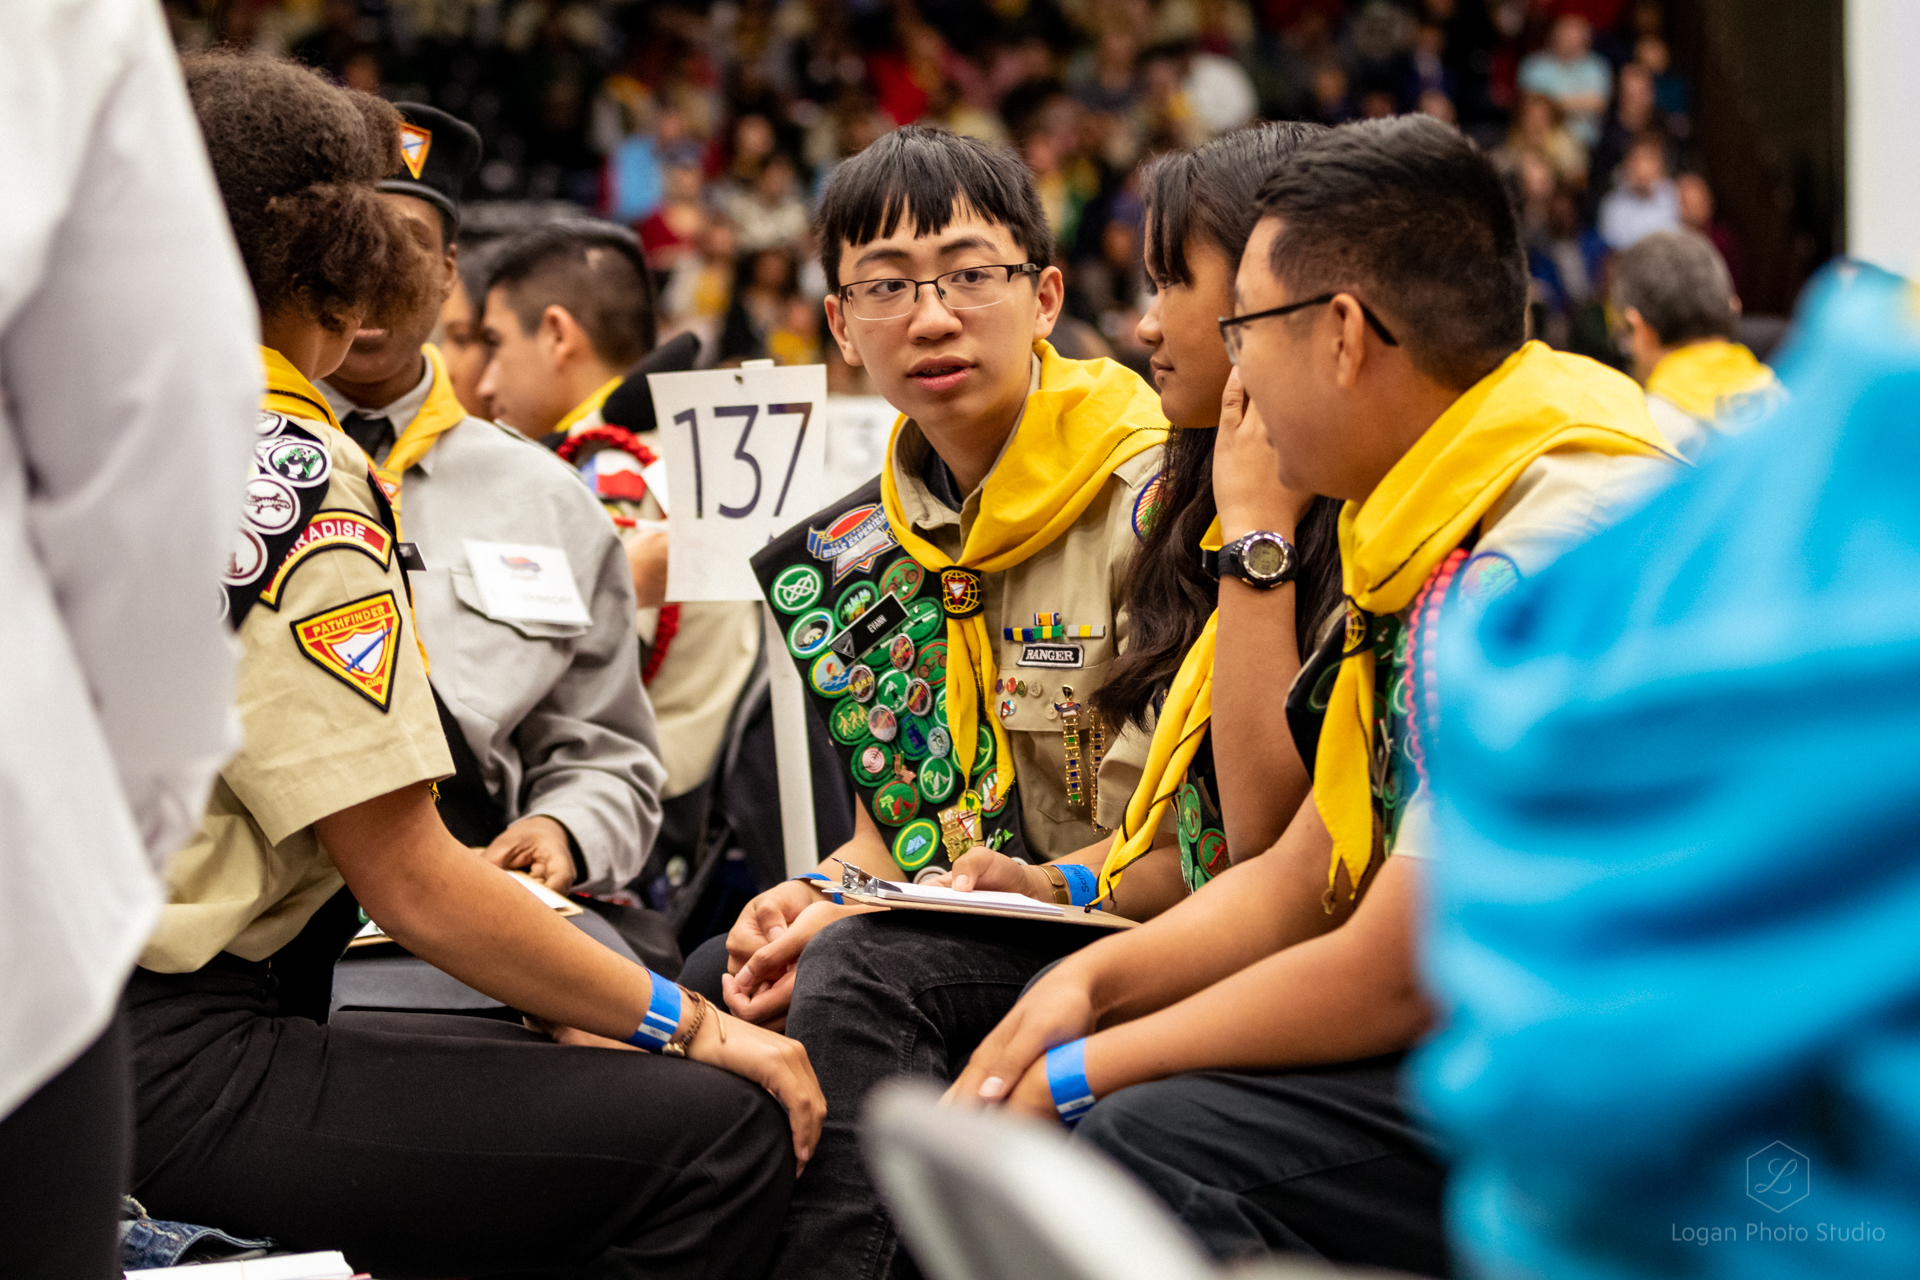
{"points": [[1067, 1080], [663, 1016], [1083, 886], [828, 887]]}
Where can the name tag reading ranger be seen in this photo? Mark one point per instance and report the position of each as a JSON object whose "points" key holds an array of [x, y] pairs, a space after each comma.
{"points": [[1053, 655]]}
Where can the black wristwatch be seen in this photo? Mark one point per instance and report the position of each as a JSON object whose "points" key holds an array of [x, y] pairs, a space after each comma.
{"points": [[1260, 559]]}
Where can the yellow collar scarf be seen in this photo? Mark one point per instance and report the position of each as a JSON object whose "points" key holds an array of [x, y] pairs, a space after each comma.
{"points": [[439, 414], [587, 406], [1537, 401], [1695, 377], [1084, 419], [289, 392], [1177, 736]]}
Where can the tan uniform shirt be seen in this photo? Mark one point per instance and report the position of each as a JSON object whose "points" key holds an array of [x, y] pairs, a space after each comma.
{"points": [[709, 660], [1559, 502], [335, 710], [1077, 576]]}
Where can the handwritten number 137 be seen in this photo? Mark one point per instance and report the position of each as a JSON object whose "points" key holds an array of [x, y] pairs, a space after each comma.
{"points": [[803, 409]]}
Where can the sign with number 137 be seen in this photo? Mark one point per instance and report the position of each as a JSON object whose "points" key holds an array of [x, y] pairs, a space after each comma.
{"points": [[746, 454]]}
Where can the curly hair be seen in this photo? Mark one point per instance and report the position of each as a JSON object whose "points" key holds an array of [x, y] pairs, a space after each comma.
{"points": [[296, 160]]}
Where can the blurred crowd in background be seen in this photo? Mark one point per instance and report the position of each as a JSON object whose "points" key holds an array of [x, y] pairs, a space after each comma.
{"points": [[710, 128]]}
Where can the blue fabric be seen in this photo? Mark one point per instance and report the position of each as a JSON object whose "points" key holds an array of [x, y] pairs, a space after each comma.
{"points": [[636, 183], [152, 1243], [1677, 915]]}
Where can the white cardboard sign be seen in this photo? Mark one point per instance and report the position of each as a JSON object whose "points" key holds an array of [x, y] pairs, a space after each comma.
{"points": [[746, 454]]}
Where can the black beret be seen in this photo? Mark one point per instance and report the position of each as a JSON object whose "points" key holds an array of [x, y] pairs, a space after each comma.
{"points": [[438, 154]]}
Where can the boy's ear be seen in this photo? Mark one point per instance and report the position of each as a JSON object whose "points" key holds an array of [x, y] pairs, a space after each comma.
{"points": [[1050, 290], [837, 323], [561, 338]]}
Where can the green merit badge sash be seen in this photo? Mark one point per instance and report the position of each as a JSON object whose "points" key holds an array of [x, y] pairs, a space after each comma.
{"points": [[863, 621]]}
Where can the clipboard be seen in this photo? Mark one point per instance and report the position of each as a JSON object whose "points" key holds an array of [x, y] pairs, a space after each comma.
{"points": [[871, 891]]}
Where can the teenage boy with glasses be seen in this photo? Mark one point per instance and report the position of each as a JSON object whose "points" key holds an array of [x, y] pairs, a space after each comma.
{"points": [[1240, 1052], [953, 618]]}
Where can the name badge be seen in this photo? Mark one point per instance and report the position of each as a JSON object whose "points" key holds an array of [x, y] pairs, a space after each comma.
{"points": [[865, 631], [524, 583], [1053, 655]]}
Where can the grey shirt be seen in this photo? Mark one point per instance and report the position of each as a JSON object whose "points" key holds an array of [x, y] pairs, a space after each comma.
{"points": [[554, 712]]}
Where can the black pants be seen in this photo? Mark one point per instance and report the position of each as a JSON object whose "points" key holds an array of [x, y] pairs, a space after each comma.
{"points": [[430, 1146], [63, 1168], [1321, 1162], [896, 994]]}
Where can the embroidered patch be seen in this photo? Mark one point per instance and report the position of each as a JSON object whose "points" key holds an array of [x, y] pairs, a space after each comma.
{"points": [[246, 558], [1053, 655], [854, 541], [269, 505], [1488, 576], [1146, 507], [415, 142], [300, 463], [329, 529], [357, 644]]}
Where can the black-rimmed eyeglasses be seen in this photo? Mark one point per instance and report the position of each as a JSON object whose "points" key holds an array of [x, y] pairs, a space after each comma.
{"points": [[1230, 326], [967, 289]]}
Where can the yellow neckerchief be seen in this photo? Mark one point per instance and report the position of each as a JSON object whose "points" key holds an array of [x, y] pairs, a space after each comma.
{"points": [[1177, 735], [289, 392], [1693, 378], [587, 406], [439, 413], [1537, 401], [1084, 419]]}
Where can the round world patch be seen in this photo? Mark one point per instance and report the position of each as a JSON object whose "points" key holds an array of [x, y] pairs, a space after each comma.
{"points": [[797, 587], [1147, 507], [960, 591]]}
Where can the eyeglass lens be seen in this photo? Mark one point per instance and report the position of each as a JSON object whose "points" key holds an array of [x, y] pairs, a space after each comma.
{"points": [[964, 290]]}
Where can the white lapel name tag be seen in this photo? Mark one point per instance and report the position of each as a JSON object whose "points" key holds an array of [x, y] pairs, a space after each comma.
{"points": [[523, 583]]}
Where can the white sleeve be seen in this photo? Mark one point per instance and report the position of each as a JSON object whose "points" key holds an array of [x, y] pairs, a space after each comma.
{"points": [[131, 375]]}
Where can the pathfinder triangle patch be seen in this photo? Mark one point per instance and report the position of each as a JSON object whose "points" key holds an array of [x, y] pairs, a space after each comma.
{"points": [[357, 644], [415, 142]]}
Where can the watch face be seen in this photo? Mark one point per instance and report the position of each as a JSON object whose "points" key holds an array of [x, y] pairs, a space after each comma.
{"points": [[1264, 558]]}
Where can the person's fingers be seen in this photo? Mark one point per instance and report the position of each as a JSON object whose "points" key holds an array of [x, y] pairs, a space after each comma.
{"points": [[768, 1005], [508, 853], [779, 953], [1000, 1061], [799, 1092]]}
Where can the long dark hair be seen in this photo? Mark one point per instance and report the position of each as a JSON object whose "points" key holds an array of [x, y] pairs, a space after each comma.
{"points": [[1206, 193]]}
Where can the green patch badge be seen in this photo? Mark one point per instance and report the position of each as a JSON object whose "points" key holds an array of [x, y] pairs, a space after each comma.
{"points": [[810, 634], [895, 804], [938, 778], [797, 587], [914, 734], [872, 765], [893, 690], [847, 722], [932, 663], [982, 751], [916, 844], [856, 600]]}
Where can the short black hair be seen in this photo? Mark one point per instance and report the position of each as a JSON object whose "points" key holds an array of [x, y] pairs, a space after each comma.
{"points": [[1209, 193], [595, 270], [1679, 284], [931, 176], [1410, 216]]}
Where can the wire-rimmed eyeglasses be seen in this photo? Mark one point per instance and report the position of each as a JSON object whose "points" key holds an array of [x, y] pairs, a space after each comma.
{"points": [[967, 289], [1230, 326]]}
